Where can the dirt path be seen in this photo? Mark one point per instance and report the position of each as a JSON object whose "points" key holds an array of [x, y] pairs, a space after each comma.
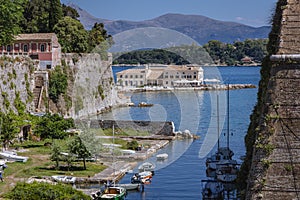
{"points": [[11, 180]]}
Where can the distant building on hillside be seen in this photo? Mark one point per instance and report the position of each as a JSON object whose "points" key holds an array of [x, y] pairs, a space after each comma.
{"points": [[162, 75], [246, 60], [43, 47]]}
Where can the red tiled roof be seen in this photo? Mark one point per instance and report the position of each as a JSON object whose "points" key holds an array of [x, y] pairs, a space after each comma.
{"points": [[36, 36]]}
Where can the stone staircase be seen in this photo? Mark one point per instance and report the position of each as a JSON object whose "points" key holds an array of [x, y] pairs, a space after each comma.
{"points": [[37, 96]]}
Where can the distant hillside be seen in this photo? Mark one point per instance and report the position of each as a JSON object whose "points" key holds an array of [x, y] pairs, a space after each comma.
{"points": [[200, 28]]}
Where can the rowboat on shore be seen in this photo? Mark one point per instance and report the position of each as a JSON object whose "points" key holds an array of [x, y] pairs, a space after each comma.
{"points": [[64, 179], [12, 156]]}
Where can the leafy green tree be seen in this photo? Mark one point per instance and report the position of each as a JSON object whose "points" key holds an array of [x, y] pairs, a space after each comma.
{"points": [[132, 145], [69, 11], [9, 128], [55, 13], [72, 35], [47, 191], [58, 84], [52, 126], [56, 154], [69, 158], [10, 17], [98, 35], [41, 15], [77, 147], [91, 142], [36, 16]]}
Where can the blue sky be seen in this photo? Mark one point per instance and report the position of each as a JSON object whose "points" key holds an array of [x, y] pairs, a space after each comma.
{"points": [[251, 12]]}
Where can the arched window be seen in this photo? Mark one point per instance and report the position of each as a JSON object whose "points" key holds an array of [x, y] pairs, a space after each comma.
{"points": [[8, 49], [25, 48], [42, 48]]}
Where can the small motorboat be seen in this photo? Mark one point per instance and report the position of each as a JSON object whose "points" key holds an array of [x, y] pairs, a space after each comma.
{"points": [[144, 104], [64, 179], [111, 193], [142, 177], [130, 186], [162, 156], [147, 166]]}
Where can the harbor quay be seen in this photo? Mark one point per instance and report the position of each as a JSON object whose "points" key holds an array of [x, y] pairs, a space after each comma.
{"points": [[160, 135]]}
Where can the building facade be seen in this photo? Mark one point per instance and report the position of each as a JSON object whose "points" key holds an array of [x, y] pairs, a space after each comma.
{"points": [[43, 47], [162, 75]]}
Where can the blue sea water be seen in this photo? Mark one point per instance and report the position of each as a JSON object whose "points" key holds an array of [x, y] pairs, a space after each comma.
{"points": [[180, 176]]}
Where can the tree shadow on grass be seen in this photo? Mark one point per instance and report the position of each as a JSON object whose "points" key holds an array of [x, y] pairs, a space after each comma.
{"points": [[63, 168]]}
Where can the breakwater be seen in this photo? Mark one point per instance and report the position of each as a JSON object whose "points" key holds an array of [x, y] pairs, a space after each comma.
{"points": [[202, 87]]}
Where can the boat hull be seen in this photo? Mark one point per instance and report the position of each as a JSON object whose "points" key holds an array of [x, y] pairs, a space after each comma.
{"points": [[111, 193]]}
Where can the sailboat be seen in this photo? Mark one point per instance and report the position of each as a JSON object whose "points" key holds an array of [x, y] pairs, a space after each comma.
{"points": [[111, 192], [222, 153], [221, 162], [212, 190]]}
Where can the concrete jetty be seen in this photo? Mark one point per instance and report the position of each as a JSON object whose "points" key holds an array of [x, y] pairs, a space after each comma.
{"points": [[195, 88]]}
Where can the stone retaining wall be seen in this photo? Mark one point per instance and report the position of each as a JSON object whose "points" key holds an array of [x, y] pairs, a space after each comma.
{"points": [[152, 127]]}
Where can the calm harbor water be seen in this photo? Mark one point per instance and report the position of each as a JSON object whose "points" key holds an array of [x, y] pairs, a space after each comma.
{"points": [[180, 176]]}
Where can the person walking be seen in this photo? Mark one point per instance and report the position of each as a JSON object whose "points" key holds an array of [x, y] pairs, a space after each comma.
{"points": [[1, 172]]}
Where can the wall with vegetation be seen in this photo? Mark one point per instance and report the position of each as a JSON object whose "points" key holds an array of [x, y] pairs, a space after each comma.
{"points": [[150, 127], [90, 85], [252, 174], [16, 84]]}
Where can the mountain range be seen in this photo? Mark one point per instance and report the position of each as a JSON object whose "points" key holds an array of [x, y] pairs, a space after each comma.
{"points": [[200, 28]]}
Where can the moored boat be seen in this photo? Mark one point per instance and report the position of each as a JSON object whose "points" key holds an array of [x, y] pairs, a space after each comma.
{"points": [[142, 177], [144, 104], [110, 193], [212, 190], [147, 166], [227, 171], [162, 156], [130, 186], [223, 153]]}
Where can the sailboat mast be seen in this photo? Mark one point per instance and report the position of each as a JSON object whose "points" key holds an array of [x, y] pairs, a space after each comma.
{"points": [[218, 121], [228, 116], [113, 154]]}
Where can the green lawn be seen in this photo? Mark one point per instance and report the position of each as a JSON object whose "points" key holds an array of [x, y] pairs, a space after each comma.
{"points": [[39, 164]]}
